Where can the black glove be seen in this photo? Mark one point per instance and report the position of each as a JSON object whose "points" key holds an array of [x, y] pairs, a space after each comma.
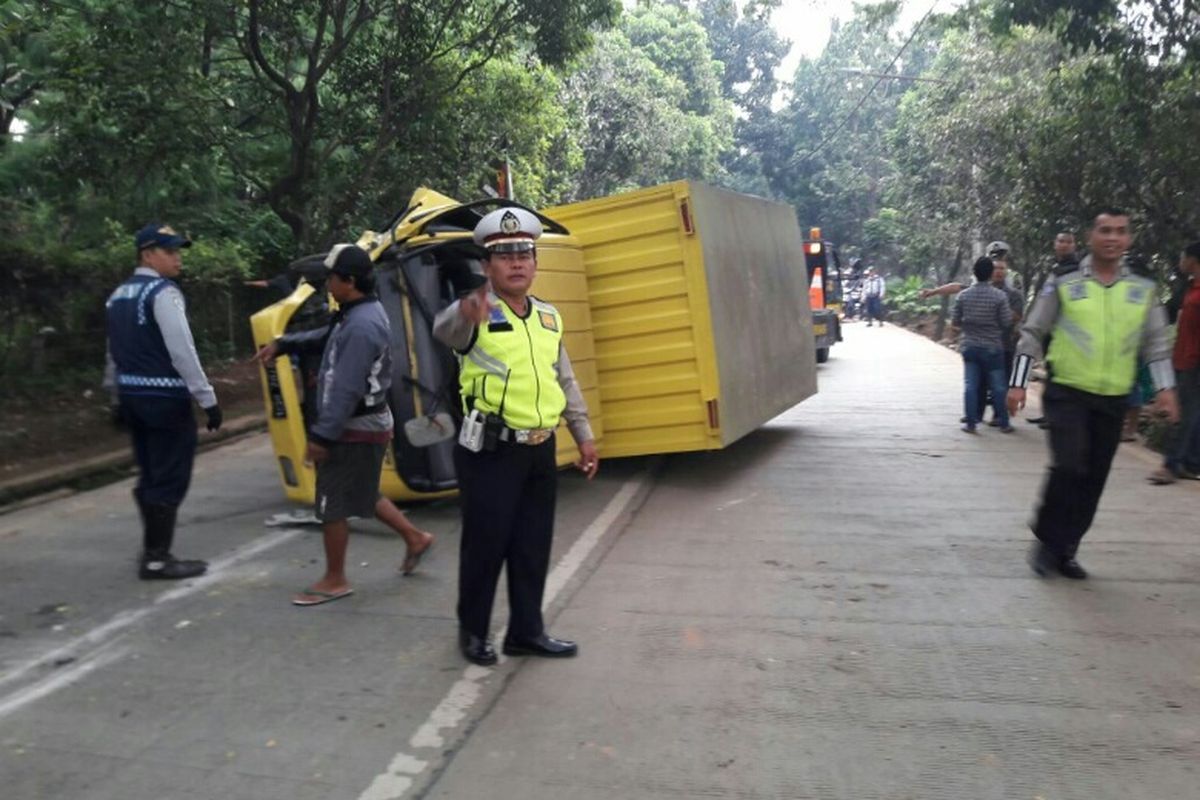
{"points": [[117, 415], [214, 417]]}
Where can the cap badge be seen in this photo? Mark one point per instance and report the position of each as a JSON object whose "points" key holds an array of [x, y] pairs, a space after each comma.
{"points": [[509, 223]]}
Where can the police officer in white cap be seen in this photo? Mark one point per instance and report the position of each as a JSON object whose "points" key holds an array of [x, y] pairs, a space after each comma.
{"points": [[516, 382]]}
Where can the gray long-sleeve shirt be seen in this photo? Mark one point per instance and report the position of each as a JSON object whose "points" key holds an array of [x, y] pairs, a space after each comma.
{"points": [[170, 313], [453, 329], [355, 373]]}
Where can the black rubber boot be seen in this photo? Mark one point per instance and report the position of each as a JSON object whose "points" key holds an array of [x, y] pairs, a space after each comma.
{"points": [[157, 561], [147, 537]]}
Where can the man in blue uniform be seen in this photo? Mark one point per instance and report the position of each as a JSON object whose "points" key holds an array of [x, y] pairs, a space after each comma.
{"points": [[516, 382], [154, 373]]}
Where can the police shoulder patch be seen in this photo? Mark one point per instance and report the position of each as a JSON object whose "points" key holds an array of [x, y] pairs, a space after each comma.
{"points": [[548, 320], [1136, 294], [1077, 290]]}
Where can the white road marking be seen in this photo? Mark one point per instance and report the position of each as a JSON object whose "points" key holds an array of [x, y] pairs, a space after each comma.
{"points": [[399, 776], [100, 637], [60, 679]]}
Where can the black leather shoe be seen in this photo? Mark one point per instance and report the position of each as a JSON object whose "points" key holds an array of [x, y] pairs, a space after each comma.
{"points": [[1070, 568], [476, 650], [1041, 560], [544, 645], [169, 568]]}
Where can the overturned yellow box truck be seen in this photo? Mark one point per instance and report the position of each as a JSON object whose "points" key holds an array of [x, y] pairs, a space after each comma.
{"points": [[685, 310]]}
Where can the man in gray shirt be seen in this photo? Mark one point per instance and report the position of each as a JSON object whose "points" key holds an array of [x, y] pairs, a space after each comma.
{"points": [[983, 314], [354, 422]]}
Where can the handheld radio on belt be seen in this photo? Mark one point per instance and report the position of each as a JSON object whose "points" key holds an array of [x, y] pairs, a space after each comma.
{"points": [[481, 431]]}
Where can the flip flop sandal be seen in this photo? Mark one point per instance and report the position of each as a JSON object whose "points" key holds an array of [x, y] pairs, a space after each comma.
{"points": [[321, 597]]}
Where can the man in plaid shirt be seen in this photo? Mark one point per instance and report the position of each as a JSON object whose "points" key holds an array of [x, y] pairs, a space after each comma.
{"points": [[983, 314]]}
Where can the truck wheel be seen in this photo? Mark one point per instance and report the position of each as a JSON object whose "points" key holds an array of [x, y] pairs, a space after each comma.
{"points": [[822, 355]]}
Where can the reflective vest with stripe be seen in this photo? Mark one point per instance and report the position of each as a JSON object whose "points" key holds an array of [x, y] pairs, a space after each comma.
{"points": [[512, 364], [143, 363], [1099, 332]]}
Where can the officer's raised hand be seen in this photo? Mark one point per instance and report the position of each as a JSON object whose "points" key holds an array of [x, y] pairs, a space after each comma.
{"points": [[1166, 404], [588, 462], [475, 306]]}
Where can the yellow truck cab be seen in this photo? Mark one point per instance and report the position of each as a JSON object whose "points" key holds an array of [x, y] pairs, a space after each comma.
{"points": [[824, 291], [415, 255]]}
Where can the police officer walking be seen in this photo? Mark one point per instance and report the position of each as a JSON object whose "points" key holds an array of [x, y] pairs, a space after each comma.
{"points": [[516, 382], [153, 371], [1103, 318]]}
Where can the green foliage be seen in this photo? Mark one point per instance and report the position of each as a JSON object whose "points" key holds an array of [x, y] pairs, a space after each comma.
{"points": [[905, 303], [648, 99]]}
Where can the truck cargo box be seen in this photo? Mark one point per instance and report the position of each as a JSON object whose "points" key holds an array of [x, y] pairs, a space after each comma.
{"points": [[700, 314]]}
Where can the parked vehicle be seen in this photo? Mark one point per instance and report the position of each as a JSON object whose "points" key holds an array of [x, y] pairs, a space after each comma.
{"points": [[825, 291]]}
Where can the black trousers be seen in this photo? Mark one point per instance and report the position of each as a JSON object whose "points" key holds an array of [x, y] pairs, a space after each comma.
{"points": [[508, 498], [164, 444], [1085, 431]]}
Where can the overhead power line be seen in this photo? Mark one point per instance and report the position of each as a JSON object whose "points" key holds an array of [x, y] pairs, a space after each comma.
{"points": [[886, 76], [882, 77]]}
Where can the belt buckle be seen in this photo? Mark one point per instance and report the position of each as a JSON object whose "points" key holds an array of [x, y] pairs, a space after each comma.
{"points": [[532, 437]]}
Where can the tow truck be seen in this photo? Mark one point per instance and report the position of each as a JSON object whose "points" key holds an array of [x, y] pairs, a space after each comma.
{"points": [[824, 291]]}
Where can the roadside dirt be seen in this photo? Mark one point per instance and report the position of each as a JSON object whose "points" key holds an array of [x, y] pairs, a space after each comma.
{"points": [[64, 430]]}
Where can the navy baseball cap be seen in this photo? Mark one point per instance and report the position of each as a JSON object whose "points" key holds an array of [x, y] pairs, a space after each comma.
{"points": [[349, 259], [158, 235]]}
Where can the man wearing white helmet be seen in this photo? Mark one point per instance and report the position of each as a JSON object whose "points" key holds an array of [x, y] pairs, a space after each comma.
{"points": [[516, 382]]}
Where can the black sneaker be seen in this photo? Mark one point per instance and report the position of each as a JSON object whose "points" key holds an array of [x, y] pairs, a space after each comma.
{"points": [[170, 568], [1070, 568]]}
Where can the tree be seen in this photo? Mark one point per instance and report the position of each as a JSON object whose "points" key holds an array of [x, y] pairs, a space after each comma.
{"points": [[648, 97], [298, 105], [750, 52]]}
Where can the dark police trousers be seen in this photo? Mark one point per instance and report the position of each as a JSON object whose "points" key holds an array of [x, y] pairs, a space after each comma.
{"points": [[1085, 431], [164, 443], [508, 498]]}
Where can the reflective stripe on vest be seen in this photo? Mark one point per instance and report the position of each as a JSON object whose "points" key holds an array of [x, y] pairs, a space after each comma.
{"points": [[1098, 334], [512, 362]]}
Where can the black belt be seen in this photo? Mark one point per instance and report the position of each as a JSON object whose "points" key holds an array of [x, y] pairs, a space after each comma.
{"points": [[364, 410]]}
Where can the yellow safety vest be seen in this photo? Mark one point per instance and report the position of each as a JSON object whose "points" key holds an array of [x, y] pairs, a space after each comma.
{"points": [[512, 364], [1099, 332]]}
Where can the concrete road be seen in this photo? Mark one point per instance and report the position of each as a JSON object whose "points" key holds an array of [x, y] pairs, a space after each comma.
{"points": [[836, 607]]}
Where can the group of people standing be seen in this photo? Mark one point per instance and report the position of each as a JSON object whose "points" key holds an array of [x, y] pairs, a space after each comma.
{"points": [[515, 379], [988, 313], [1095, 324]]}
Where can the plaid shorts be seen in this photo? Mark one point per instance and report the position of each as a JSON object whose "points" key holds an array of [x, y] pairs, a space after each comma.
{"points": [[348, 481]]}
